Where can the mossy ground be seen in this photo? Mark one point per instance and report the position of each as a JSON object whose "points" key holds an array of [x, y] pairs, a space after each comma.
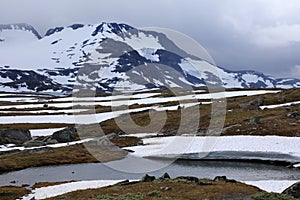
{"points": [[163, 190], [66, 155]]}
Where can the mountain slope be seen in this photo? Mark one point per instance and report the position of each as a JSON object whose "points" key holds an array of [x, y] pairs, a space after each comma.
{"points": [[108, 56]]}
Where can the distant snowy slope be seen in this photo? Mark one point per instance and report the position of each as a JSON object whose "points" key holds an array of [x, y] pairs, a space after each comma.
{"points": [[107, 56]]}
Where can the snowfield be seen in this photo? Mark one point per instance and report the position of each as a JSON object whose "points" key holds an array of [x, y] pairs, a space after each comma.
{"points": [[142, 99], [270, 148], [81, 119]]}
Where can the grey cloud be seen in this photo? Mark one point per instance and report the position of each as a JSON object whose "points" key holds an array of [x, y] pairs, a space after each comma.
{"points": [[229, 29]]}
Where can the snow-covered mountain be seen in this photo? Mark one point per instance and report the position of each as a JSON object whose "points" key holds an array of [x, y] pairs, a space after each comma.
{"points": [[107, 56]]}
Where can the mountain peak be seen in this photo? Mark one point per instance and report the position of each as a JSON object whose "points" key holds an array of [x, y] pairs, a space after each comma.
{"points": [[112, 28]]}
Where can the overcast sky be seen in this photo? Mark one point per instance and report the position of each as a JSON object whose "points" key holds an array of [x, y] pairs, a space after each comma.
{"points": [[261, 35]]}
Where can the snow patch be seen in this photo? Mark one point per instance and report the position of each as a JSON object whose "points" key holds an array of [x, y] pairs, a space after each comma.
{"points": [[271, 185], [56, 190], [279, 105]]}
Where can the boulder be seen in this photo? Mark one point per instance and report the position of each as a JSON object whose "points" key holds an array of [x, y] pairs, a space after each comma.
{"points": [[253, 104], [14, 136], [148, 178], [66, 135], [294, 190], [224, 179], [166, 176], [220, 178]]}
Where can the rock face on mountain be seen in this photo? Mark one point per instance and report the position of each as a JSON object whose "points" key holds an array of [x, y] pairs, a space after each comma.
{"points": [[109, 56]]}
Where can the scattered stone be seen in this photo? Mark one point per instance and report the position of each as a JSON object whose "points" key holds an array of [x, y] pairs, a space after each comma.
{"points": [[254, 121], [294, 190], [111, 136], [38, 150], [33, 143], [189, 178], [51, 141], [148, 178], [25, 185], [128, 150], [47, 139], [224, 179], [165, 188], [40, 141], [123, 182], [231, 181], [127, 182], [293, 124], [293, 114], [204, 183], [253, 104], [220, 178], [140, 143], [14, 136], [164, 177]]}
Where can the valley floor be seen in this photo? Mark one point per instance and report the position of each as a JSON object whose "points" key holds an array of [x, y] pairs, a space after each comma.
{"points": [[260, 125]]}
